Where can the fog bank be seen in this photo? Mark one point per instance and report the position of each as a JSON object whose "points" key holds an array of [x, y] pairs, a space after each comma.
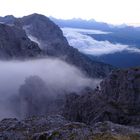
{"points": [[59, 77]]}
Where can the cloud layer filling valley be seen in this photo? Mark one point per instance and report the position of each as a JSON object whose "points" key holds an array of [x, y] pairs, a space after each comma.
{"points": [[79, 39], [59, 77]]}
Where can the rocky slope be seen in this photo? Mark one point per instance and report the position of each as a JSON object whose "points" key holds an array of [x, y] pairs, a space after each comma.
{"points": [[14, 43], [58, 128], [51, 41], [117, 100], [110, 112]]}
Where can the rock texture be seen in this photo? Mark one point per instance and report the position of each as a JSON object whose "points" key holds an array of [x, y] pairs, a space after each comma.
{"points": [[9, 20], [45, 31], [117, 100], [58, 128], [14, 43], [50, 39]]}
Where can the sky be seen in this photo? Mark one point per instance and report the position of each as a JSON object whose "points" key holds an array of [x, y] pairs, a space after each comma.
{"points": [[110, 11]]}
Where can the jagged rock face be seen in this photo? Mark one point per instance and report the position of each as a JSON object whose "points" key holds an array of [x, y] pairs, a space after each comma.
{"points": [[123, 88], [117, 100], [48, 34], [10, 19], [14, 43], [51, 40], [44, 29], [58, 128]]}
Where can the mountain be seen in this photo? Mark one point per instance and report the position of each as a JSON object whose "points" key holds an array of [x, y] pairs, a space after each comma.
{"points": [[10, 19], [110, 112], [80, 23], [128, 35], [102, 33], [14, 43], [119, 59], [47, 33], [55, 44], [91, 24], [117, 99], [51, 41], [117, 33]]}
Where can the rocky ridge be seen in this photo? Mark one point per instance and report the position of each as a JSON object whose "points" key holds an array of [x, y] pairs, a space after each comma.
{"points": [[51, 39], [58, 128], [14, 43], [117, 100]]}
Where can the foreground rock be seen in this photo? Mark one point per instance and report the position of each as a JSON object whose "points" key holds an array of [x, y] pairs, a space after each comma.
{"points": [[117, 100], [57, 128]]}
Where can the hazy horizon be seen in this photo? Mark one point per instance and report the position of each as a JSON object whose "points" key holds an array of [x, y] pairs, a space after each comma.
{"points": [[109, 11], [79, 18]]}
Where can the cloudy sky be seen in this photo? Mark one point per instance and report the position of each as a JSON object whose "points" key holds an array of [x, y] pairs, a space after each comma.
{"points": [[111, 11]]}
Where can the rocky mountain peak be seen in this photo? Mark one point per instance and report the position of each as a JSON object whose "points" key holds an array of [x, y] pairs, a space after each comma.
{"points": [[49, 40], [43, 29]]}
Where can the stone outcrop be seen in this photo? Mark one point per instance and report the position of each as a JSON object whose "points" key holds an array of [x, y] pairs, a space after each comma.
{"points": [[58, 128], [117, 100]]}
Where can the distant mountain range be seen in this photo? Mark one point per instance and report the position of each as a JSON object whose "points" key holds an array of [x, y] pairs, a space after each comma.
{"points": [[90, 24], [80, 23], [123, 35], [36, 35]]}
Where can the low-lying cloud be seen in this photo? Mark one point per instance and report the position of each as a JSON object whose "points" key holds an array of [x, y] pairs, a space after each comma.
{"points": [[84, 31], [88, 45], [59, 77]]}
